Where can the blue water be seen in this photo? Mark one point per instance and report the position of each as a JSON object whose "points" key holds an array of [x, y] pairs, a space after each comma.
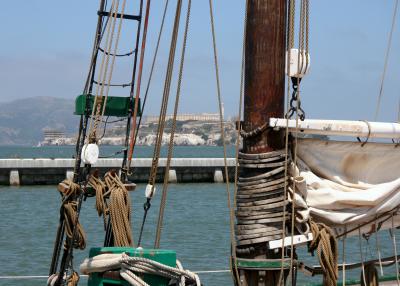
{"points": [[7, 152], [196, 226]]}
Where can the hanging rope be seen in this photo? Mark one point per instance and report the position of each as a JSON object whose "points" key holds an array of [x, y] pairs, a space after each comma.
{"points": [[222, 130], [119, 210], [324, 242], [233, 264], [101, 204], [344, 261], [102, 74], [101, 96], [161, 119], [300, 115], [393, 235], [150, 78], [69, 191], [138, 84], [389, 46], [371, 276], [172, 134], [289, 45]]}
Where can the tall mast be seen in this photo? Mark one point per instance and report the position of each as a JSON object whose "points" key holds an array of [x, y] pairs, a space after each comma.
{"points": [[264, 97], [265, 71]]}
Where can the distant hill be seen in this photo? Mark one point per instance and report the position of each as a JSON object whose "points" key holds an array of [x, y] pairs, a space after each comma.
{"points": [[22, 120]]}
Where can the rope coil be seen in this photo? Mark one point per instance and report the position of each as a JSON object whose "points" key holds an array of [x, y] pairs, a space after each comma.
{"points": [[325, 243], [260, 200], [131, 269]]}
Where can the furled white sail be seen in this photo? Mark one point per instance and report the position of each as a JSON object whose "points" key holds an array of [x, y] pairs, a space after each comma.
{"points": [[348, 184]]}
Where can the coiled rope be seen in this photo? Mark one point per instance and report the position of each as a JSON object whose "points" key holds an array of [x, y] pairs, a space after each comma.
{"points": [[119, 210], [132, 267], [325, 243], [69, 190], [261, 202], [72, 280], [101, 203]]}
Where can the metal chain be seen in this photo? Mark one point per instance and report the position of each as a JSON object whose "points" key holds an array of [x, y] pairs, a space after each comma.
{"points": [[173, 128], [300, 115], [295, 103]]}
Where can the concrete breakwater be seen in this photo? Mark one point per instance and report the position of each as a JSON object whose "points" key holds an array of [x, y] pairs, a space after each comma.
{"points": [[53, 171]]}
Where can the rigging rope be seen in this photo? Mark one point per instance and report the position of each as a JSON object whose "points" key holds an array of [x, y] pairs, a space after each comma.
{"points": [[304, 14], [222, 130], [371, 276], [151, 75], [172, 134], [289, 45], [324, 242], [239, 130], [389, 46], [103, 67], [119, 210], [101, 98], [138, 85], [161, 120], [69, 191], [131, 268]]}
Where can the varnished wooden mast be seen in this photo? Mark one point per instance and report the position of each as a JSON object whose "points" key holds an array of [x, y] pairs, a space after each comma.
{"points": [[264, 98], [265, 71]]}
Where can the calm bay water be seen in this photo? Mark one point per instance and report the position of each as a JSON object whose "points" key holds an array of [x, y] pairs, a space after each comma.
{"points": [[196, 226], [7, 152], [196, 223]]}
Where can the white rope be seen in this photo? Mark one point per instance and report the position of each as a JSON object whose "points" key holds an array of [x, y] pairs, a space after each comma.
{"points": [[131, 265]]}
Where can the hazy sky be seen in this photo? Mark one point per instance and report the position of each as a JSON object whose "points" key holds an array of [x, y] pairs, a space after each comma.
{"points": [[45, 50]]}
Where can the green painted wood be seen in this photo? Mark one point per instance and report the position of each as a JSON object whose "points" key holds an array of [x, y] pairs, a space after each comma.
{"points": [[116, 106], [167, 257], [262, 264]]}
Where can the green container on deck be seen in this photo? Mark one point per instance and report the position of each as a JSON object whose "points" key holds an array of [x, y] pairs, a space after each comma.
{"points": [[167, 257], [116, 106]]}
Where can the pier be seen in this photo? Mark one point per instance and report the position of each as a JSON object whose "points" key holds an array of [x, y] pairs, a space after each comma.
{"points": [[17, 172]]}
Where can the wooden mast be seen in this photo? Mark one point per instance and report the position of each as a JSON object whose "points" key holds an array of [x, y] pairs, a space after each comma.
{"points": [[265, 71], [264, 98]]}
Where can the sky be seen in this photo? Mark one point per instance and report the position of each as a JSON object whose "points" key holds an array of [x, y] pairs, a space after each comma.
{"points": [[45, 50]]}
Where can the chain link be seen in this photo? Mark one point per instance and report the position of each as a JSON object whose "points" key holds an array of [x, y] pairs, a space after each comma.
{"points": [[295, 102]]}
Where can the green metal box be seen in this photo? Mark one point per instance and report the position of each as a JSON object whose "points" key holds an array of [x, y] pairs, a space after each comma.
{"points": [[116, 106], [167, 257]]}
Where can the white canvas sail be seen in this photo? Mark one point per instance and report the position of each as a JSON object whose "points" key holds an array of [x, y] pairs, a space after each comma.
{"points": [[348, 184]]}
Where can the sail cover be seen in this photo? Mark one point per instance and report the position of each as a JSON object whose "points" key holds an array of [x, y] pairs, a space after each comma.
{"points": [[349, 184]]}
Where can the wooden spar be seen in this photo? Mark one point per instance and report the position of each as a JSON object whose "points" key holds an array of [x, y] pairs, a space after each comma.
{"points": [[264, 71], [340, 127], [264, 94]]}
